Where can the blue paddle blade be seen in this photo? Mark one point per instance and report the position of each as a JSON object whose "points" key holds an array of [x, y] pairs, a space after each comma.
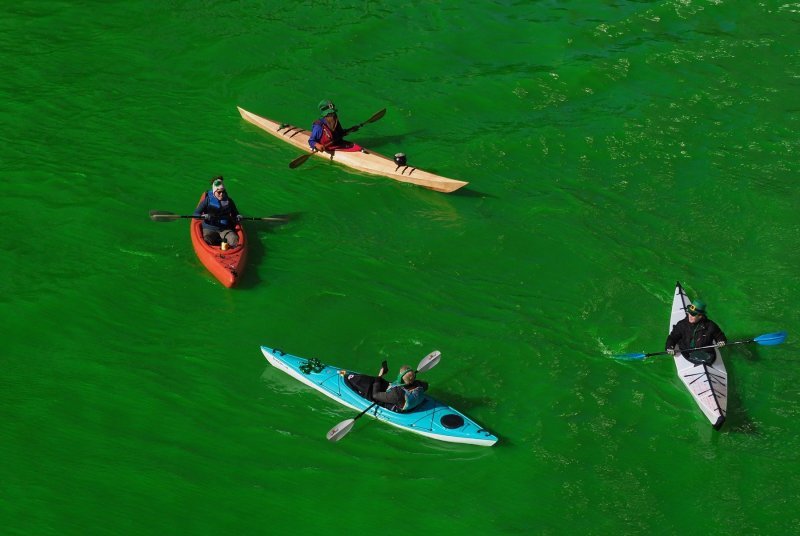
{"points": [[770, 339], [629, 357]]}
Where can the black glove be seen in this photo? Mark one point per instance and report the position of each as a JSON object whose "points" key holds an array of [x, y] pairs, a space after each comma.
{"points": [[206, 217], [353, 129]]}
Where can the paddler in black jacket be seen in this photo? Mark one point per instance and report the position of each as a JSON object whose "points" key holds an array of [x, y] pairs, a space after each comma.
{"points": [[695, 331]]}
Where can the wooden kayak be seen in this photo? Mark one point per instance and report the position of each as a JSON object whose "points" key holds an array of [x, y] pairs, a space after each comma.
{"points": [[226, 266], [363, 160], [707, 383]]}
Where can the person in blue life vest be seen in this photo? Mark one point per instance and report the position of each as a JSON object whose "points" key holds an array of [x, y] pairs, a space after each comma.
{"points": [[220, 216], [694, 331], [327, 132], [404, 394]]}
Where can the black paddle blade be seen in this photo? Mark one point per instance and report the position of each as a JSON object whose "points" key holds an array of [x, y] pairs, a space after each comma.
{"points": [[299, 161], [161, 215]]}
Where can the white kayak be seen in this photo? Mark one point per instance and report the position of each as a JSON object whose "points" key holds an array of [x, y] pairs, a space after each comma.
{"points": [[708, 384]]}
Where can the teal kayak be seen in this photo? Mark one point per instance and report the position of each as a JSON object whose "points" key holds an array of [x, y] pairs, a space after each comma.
{"points": [[431, 418]]}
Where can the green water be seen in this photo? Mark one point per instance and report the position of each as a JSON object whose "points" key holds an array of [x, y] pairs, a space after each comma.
{"points": [[611, 147]]}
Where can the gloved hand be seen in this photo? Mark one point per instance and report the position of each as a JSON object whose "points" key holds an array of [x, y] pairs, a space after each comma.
{"points": [[671, 351], [353, 129], [239, 217], [206, 217], [721, 344]]}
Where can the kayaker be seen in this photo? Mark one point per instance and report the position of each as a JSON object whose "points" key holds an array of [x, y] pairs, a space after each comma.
{"points": [[404, 394], [694, 331], [327, 132], [220, 215]]}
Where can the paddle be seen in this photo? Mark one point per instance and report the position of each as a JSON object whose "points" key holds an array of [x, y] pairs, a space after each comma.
{"points": [[341, 429], [300, 160], [160, 215], [768, 339]]}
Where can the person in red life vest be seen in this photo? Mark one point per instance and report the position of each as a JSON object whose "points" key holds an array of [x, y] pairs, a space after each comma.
{"points": [[694, 331], [220, 215], [327, 132], [404, 394]]}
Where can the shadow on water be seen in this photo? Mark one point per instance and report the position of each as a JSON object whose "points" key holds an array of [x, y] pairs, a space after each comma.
{"points": [[738, 419], [460, 402], [256, 251]]}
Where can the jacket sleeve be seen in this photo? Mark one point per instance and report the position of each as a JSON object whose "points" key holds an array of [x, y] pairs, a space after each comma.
{"points": [[201, 207], [718, 335], [234, 210], [673, 338], [316, 135], [393, 397]]}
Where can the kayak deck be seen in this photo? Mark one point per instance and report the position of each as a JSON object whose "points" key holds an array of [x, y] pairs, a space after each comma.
{"points": [[708, 384], [431, 418], [364, 160]]}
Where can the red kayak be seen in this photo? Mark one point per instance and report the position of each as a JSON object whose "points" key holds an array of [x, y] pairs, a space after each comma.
{"points": [[227, 266]]}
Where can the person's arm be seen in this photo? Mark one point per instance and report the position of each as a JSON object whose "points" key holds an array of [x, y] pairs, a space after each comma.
{"points": [[673, 338], [316, 135], [719, 336], [201, 207], [234, 211], [393, 397]]}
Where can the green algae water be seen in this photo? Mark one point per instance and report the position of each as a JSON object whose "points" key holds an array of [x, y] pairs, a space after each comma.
{"points": [[612, 148]]}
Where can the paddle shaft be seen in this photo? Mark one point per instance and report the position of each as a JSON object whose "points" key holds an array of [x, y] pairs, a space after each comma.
{"points": [[168, 216], [767, 339], [690, 350]]}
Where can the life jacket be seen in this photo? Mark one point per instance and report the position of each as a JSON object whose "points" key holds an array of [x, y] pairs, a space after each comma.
{"points": [[334, 137], [413, 397], [220, 212]]}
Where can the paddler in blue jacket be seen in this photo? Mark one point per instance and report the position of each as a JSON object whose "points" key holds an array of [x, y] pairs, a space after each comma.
{"points": [[220, 216], [327, 132], [694, 331], [404, 394]]}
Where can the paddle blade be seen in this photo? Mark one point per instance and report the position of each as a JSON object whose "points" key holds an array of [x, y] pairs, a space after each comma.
{"points": [[429, 361], [299, 161], [629, 357], [375, 117], [770, 339], [160, 215], [340, 430]]}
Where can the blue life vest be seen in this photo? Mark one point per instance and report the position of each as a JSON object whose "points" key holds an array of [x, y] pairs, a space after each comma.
{"points": [[413, 397], [220, 212]]}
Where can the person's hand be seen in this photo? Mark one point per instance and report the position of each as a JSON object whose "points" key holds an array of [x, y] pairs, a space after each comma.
{"points": [[239, 217], [353, 129], [671, 351], [721, 344], [206, 217]]}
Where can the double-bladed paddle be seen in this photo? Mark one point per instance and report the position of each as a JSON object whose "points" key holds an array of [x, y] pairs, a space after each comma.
{"points": [[768, 339], [300, 160], [341, 429], [161, 215]]}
